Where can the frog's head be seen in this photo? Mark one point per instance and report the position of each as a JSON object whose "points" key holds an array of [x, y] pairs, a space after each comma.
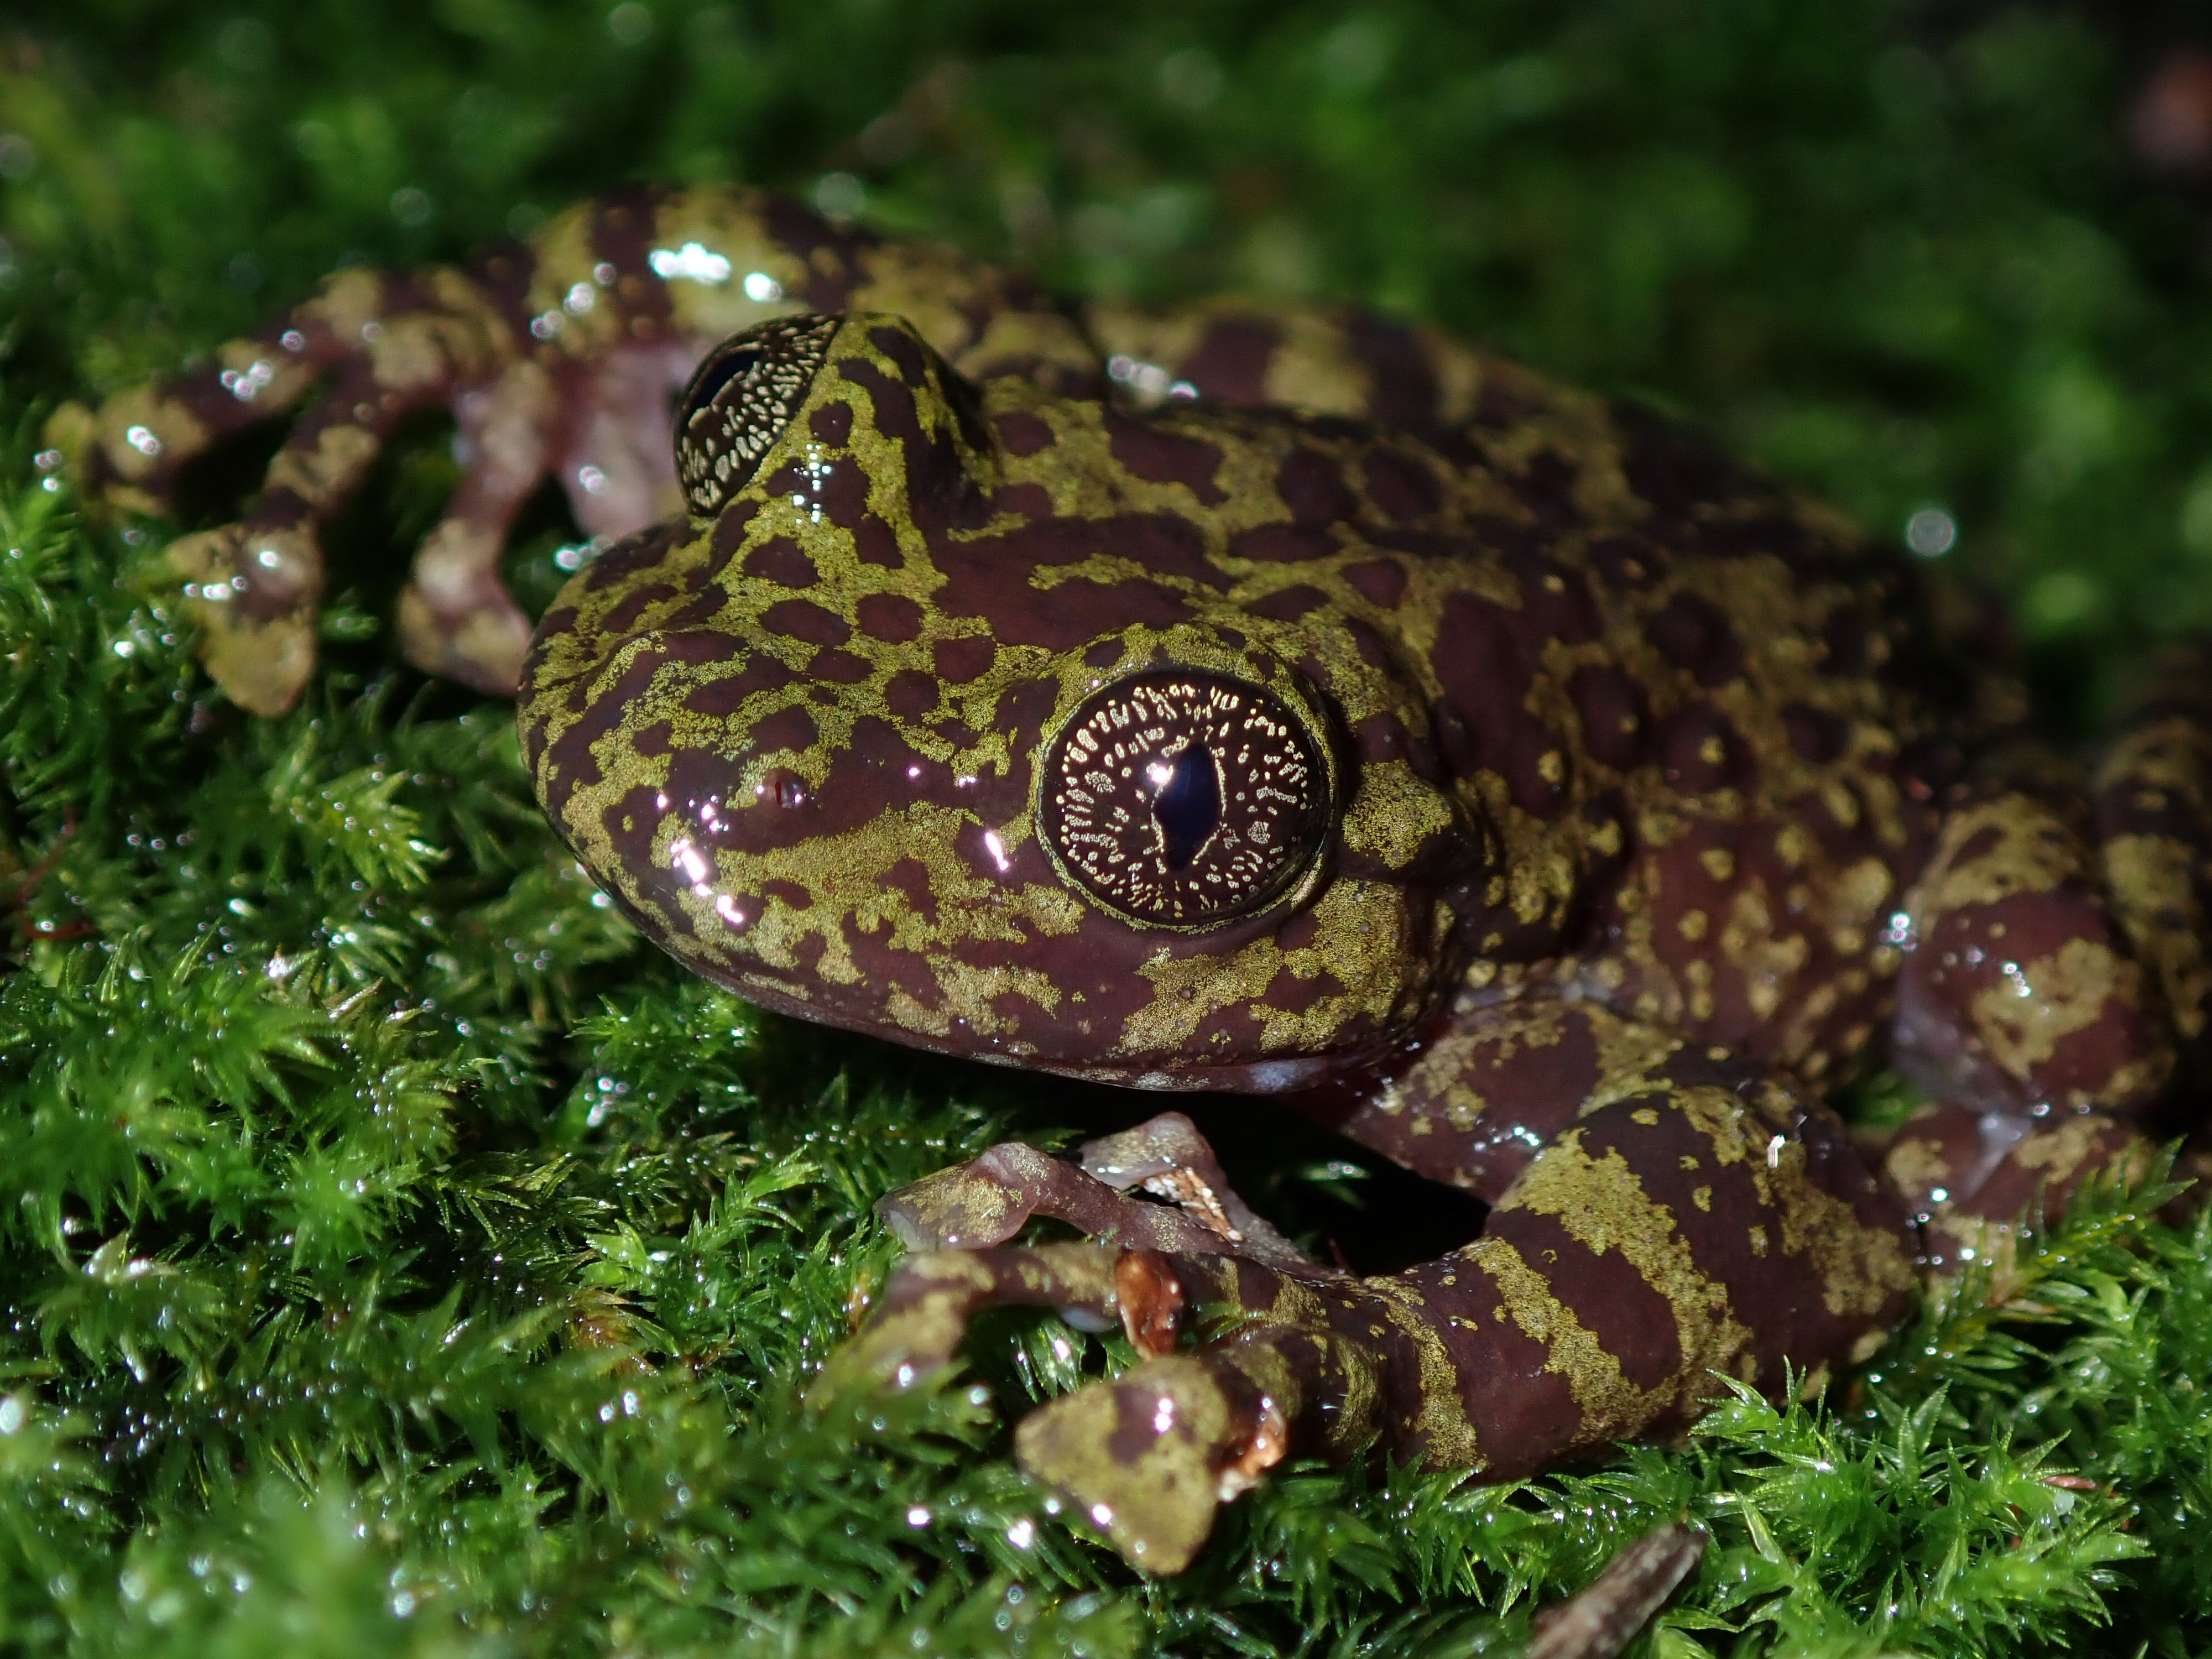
{"points": [[935, 720]]}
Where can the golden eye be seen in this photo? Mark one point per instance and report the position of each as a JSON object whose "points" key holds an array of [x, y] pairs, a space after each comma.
{"points": [[1184, 799], [739, 401]]}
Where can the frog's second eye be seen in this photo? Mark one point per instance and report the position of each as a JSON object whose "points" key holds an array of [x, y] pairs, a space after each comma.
{"points": [[739, 401], [1184, 799]]}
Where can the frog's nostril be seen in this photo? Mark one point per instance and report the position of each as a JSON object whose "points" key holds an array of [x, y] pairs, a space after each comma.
{"points": [[780, 787], [1188, 809]]}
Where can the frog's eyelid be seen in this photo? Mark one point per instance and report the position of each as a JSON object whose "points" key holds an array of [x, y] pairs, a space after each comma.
{"points": [[740, 399]]}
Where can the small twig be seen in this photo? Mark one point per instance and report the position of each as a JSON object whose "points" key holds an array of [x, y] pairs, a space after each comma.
{"points": [[1604, 1616]]}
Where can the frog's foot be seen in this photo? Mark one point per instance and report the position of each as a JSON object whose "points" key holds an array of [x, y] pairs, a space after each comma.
{"points": [[1150, 1455], [253, 589], [1147, 1456], [1974, 1178], [922, 1316], [456, 616], [1168, 1158]]}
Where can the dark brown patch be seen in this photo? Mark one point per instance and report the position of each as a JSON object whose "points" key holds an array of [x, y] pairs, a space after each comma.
{"points": [[724, 696], [1379, 581], [1693, 635], [905, 352], [803, 619], [1159, 454], [1699, 749], [1402, 485], [789, 730], [629, 555], [1401, 380], [1031, 500], [843, 495], [891, 618], [731, 524], [1312, 487], [965, 659], [783, 561], [623, 617], [1023, 434], [1817, 736], [876, 543], [1615, 722], [910, 694], [1282, 543], [1289, 604], [891, 401], [1230, 362], [832, 424]]}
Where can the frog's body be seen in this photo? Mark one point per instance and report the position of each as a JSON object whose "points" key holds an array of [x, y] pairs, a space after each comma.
{"points": [[1483, 766]]}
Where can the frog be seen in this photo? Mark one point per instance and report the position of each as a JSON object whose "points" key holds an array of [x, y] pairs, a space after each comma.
{"points": [[1277, 699]]}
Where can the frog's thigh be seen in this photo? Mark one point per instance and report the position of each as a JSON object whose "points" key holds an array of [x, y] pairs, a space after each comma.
{"points": [[2153, 799], [1708, 1222], [2021, 991], [1970, 1176]]}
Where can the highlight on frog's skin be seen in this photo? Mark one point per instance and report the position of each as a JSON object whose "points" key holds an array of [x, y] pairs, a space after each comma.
{"points": [[1185, 798]]}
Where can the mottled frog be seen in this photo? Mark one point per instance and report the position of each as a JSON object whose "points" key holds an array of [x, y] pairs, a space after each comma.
{"points": [[1287, 701]]}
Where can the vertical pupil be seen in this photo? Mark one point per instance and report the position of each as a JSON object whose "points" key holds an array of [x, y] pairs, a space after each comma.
{"points": [[1188, 809]]}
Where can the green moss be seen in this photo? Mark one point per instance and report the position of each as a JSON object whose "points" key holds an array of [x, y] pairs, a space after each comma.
{"points": [[401, 1258]]}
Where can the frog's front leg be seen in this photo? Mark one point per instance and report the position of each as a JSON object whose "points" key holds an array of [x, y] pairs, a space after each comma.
{"points": [[1660, 1214], [1211, 1420]]}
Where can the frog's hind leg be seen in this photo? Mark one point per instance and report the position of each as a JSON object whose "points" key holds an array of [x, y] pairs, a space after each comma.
{"points": [[256, 584], [2099, 932], [2152, 794]]}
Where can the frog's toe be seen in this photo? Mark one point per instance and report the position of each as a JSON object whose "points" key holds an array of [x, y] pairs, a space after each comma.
{"points": [[1149, 1456], [483, 647], [988, 1199], [982, 1202], [253, 591], [922, 1316]]}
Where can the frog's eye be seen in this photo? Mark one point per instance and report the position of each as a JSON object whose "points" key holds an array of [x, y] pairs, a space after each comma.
{"points": [[739, 401], [1184, 799]]}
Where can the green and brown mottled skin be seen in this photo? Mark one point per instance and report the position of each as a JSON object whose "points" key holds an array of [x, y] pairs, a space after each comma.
{"points": [[1651, 800]]}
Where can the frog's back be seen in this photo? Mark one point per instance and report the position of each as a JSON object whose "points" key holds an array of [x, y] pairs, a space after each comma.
{"points": [[1705, 721]]}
